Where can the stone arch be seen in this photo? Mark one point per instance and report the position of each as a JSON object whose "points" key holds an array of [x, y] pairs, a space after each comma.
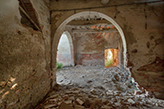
{"points": [[61, 29]]}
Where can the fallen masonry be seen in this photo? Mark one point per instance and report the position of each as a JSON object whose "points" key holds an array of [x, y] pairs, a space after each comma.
{"points": [[98, 88]]}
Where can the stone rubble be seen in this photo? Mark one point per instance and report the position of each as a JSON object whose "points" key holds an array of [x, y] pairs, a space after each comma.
{"points": [[98, 88]]}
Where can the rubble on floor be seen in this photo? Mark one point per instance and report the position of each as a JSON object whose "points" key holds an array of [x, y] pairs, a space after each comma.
{"points": [[98, 88]]}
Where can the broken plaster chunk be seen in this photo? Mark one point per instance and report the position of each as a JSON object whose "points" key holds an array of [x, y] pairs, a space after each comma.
{"points": [[68, 92], [66, 82], [131, 101], [92, 96], [79, 102], [2, 84], [65, 97], [72, 98], [1, 91], [68, 102], [53, 100], [75, 89], [93, 91], [109, 93], [59, 103], [50, 105], [117, 104], [106, 81], [54, 96], [76, 92], [116, 93]]}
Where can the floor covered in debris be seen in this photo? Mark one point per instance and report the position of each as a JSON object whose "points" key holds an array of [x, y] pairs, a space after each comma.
{"points": [[96, 87]]}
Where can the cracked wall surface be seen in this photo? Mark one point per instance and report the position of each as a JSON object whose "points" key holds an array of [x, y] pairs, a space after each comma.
{"points": [[24, 56], [90, 47], [143, 27]]}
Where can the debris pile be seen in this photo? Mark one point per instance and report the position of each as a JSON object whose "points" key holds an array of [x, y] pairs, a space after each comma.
{"points": [[98, 88], [75, 98]]}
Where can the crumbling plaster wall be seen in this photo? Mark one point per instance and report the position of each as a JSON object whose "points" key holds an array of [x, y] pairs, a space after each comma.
{"points": [[90, 47], [24, 56], [143, 28]]}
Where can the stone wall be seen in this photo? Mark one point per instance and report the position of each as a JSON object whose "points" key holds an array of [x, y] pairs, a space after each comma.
{"points": [[143, 27], [24, 56]]}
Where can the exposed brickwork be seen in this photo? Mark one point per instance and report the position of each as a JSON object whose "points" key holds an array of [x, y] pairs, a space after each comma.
{"points": [[90, 59]]}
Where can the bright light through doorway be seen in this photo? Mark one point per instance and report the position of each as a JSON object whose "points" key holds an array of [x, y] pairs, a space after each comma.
{"points": [[111, 58]]}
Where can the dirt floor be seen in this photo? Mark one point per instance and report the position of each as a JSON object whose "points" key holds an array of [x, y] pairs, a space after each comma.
{"points": [[95, 87]]}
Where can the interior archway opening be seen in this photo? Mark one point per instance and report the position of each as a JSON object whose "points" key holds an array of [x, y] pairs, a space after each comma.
{"points": [[95, 16], [92, 34], [65, 51]]}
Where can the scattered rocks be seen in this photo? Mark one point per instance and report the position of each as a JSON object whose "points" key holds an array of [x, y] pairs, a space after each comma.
{"points": [[97, 88], [65, 97], [79, 102], [131, 101], [93, 91], [3, 84], [109, 93], [50, 105]]}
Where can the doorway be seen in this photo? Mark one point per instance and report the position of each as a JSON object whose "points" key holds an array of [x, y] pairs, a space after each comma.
{"points": [[64, 50], [111, 58]]}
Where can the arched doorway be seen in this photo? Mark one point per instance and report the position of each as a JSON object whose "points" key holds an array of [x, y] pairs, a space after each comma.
{"points": [[61, 29], [65, 51]]}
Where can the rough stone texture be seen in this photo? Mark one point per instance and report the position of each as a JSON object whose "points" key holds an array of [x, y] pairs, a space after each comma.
{"points": [[142, 25], [24, 57]]}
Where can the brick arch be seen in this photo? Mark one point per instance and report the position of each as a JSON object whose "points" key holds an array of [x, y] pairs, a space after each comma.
{"points": [[61, 29]]}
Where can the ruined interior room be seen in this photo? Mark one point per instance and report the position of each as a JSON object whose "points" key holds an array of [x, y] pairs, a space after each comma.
{"points": [[81, 54]]}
